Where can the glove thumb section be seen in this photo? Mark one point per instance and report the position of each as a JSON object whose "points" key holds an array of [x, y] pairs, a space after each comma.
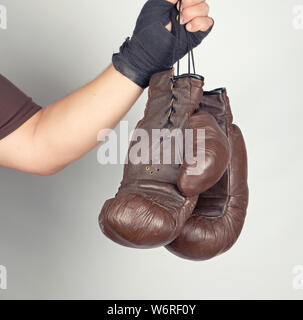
{"points": [[212, 155]]}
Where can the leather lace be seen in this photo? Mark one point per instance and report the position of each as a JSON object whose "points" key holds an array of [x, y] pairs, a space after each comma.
{"points": [[171, 109], [189, 46]]}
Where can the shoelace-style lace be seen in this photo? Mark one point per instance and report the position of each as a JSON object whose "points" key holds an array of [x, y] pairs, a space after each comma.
{"points": [[171, 109]]}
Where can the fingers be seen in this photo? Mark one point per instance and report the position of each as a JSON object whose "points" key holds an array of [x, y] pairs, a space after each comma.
{"points": [[190, 3], [199, 24], [194, 13], [190, 13]]}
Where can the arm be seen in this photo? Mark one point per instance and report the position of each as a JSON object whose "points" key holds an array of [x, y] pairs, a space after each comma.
{"points": [[67, 129]]}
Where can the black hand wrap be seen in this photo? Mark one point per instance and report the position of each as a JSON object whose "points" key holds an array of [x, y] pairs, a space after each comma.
{"points": [[152, 47]]}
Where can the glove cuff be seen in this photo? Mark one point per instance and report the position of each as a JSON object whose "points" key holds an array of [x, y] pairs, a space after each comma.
{"points": [[130, 71]]}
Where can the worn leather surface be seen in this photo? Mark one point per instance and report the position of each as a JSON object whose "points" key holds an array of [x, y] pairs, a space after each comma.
{"points": [[219, 215], [149, 210]]}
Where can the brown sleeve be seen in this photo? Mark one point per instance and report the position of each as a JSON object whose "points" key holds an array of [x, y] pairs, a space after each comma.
{"points": [[15, 107]]}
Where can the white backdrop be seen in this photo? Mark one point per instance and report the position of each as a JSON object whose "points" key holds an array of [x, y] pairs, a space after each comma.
{"points": [[50, 241]]}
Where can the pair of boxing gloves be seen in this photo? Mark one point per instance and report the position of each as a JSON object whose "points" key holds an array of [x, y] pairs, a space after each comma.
{"points": [[195, 214]]}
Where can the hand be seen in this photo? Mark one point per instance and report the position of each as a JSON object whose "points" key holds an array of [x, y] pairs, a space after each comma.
{"points": [[194, 14], [152, 48]]}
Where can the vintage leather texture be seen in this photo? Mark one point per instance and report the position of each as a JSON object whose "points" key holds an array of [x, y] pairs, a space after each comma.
{"points": [[149, 210], [219, 215]]}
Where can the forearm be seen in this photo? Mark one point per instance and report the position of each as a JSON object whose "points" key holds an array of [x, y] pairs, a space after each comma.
{"points": [[68, 129]]}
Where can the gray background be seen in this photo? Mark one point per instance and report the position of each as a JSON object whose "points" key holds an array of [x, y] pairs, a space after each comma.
{"points": [[49, 236]]}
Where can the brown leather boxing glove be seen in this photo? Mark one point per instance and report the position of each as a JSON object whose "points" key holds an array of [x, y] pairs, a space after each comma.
{"points": [[149, 210], [218, 218]]}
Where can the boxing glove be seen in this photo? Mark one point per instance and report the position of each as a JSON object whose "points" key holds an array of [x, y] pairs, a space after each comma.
{"points": [[219, 215], [149, 209]]}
